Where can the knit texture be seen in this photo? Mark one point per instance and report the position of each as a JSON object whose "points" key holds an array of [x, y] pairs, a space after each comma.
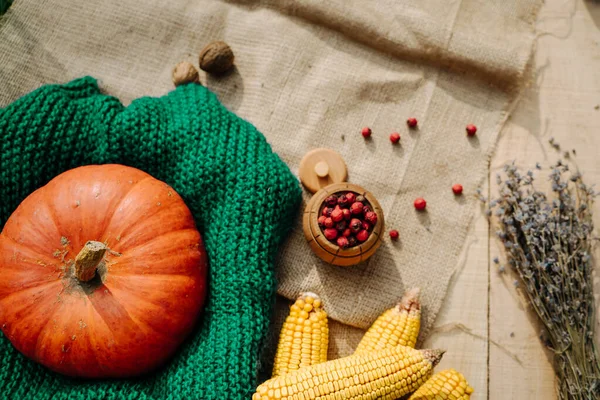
{"points": [[4, 5], [242, 195]]}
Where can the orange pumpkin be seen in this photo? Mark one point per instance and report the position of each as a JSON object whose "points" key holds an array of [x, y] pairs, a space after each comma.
{"points": [[102, 273]]}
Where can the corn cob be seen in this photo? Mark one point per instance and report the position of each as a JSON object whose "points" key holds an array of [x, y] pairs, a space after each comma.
{"points": [[445, 385], [304, 337], [386, 374], [396, 326]]}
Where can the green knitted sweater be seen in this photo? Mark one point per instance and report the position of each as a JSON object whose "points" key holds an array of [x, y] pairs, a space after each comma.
{"points": [[4, 5], [242, 195]]}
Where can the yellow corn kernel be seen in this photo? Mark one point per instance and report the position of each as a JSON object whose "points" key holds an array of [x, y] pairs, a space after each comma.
{"points": [[445, 385], [304, 337], [385, 374], [396, 326]]}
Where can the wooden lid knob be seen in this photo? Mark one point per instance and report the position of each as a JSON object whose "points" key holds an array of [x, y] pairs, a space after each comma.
{"points": [[320, 168]]}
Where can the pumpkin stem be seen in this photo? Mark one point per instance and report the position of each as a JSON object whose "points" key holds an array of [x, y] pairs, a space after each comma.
{"points": [[88, 259]]}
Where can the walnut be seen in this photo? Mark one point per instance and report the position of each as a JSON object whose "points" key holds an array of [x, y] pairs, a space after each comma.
{"points": [[185, 72], [216, 58]]}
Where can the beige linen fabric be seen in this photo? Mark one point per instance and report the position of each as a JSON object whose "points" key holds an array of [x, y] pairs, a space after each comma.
{"points": [[311, 74]]}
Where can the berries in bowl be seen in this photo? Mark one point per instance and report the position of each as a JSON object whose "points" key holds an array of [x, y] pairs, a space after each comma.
{"points": [[343, 224]]}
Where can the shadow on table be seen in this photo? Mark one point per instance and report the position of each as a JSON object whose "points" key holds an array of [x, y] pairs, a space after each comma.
{"points": [[229, 88], [593, 7]]}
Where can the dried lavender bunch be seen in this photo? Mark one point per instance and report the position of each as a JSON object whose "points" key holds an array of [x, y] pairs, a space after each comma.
{"points": [[548, 242]]}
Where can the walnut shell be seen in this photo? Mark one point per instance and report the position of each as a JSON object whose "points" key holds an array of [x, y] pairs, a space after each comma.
{"points": [[185, 72], [216, 58]]}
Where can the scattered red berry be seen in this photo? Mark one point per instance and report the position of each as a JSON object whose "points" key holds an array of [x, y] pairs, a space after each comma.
{"points": [[355, 225], [330, 233], [395, 137], [337, 215], [347, 233], [347, 214], [328, 222], [356, 208], [420, 204], [366, 132], [411, 122], [371, 217], [321, 220], [342, 242], [351, 197], [457, 189], [394, 234], [471, 130], [362, 236]]}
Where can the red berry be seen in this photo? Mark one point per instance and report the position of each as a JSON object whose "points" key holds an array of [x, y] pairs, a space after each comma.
{"points": [[457, 189], [471, 130], [394, 234], [420, 204], [328, 222], [342, 242], [366, 209], [347, 233], [356, 208], [330, 233], [371, 217], [341, 226], [355, 225], [411, 122], [351, 197], [327, 211], [343, 201], [337, 215], [366, 132], [362, 236], [347, 214], [395, 137], [366, 226], [321, 220], [352, 241], [331, 200]]}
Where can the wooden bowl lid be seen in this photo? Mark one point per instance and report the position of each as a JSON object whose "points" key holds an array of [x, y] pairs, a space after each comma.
{"points": [[330, 252], [320, 168]]}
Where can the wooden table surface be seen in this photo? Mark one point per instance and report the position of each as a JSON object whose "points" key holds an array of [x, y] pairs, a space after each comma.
{"points": [[484, 324]]}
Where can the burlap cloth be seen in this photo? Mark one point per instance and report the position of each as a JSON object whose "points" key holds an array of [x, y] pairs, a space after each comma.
{"points": [[311, 74]]}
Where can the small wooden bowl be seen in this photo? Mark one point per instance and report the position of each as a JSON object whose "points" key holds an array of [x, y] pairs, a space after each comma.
{"points": [[330, 252]]}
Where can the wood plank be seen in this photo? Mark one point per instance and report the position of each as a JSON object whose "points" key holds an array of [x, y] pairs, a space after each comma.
{"points": [[466, 305], [560, 104]]}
